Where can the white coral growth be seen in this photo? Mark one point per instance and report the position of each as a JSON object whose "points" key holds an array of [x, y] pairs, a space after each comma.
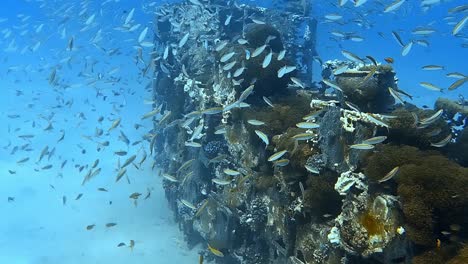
{"points": [[350, 117], [349, 179]]}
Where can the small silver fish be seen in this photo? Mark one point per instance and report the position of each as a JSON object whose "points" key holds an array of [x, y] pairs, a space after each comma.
{"points": [[231, 172], [229, 66], [332, 85], [248, 91], [307, 125], [228, 20], [267, 60], [263, 137], [459, 26], [406, 49], [142, 35], [281, 55], [303, 136], [432, 67], [394, 6], [351, 56], [221, 46], [242, 41], [395, 95], [188, 204], [184, 40], [257, 21], [267, 101], [443, 142], [285, 70], [281, 162], [258, 51], [221, 181], [193, 144], [227, 56], [277, 155], [239, 71], [312, 169], [430, 86], [298, 82], [362, 146], [374, 140], [390, 175], [170, 177], [255, 122]]}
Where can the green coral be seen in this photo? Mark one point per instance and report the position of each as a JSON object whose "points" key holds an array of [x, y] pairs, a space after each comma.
{"points": [[298, 151], [320, 197], [432, 257], [280, 126], [461, 258], [432, 188], [288, 111], [404, 130], [265, 182], [381, 69]]}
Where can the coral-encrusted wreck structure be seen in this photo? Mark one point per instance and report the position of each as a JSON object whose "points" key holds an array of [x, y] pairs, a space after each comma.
{"points": [[263, 166]]}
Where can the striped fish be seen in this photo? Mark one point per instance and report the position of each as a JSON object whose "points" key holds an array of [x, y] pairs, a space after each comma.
{"points": [[263, 137], [362, 146], [277, 155]]}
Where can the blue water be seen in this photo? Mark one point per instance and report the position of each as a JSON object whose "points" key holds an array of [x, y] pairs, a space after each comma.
{"points": [[37, 227], [444, 49]]}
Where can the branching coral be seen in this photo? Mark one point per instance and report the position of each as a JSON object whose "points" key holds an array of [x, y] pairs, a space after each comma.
{"points": [[350, 117]]}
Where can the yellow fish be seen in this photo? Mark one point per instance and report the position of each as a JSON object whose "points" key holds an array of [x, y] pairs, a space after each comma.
{"points": [[215, 251]]}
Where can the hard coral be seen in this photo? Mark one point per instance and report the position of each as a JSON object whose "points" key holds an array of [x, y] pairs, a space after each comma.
{"points": [[451, 107], [371, 95], [257, 35], [288, 111], [459, 150]]}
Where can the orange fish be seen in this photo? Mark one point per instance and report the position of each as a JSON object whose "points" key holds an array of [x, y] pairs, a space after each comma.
{"points": [[389, 59], [438, 242]]}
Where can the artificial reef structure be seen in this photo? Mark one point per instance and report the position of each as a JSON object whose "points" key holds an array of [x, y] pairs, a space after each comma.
{"points": [[262, 165]]}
